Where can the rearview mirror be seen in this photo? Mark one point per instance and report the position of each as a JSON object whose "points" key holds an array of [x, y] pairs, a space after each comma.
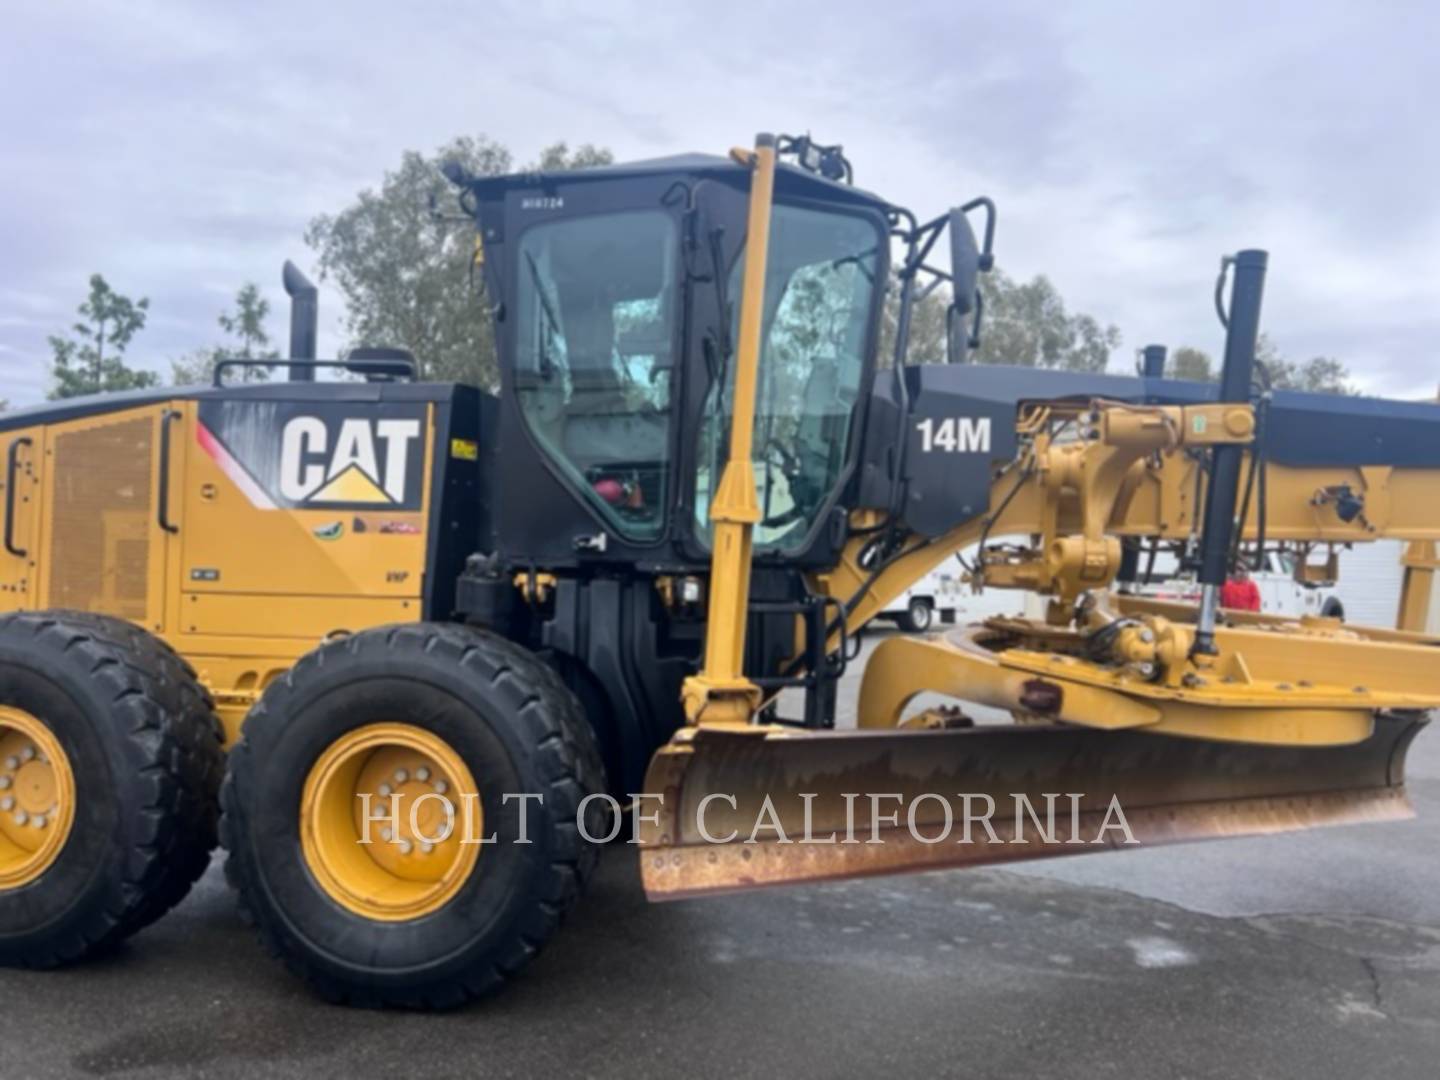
{"points": [[964, 261], [965, 272]]}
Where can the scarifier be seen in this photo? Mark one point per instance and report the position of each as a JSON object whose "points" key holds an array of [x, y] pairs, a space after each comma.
{"points": [[642, 565]]}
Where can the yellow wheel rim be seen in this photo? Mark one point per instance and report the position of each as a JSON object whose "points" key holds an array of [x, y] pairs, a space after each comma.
{"points": [[386, 814], [37, 798]]}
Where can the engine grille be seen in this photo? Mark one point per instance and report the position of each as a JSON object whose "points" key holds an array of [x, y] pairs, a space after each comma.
{"points": [[100, 534]]}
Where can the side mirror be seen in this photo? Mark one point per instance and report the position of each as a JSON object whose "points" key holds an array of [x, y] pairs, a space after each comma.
{"points": [[964, 262], [454, 170], [968, 260], [965, 275]]}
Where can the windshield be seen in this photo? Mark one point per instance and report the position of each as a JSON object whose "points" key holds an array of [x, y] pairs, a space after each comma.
{"points": [[596, 311], [819, 287]]}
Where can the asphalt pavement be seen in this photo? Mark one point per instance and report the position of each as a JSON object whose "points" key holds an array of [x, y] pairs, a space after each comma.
{"points": [[1309, 956]]}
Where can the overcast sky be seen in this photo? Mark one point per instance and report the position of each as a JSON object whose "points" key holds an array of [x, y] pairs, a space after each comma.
{"points": [[180, 148]]}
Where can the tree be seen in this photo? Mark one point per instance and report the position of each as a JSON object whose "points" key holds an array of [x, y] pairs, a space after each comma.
{"points": [[93, 361], [928, 318], [408, 273], [558, 158], [1187, 362], [1321, 375], [1026, 323], [246, 326], [194, 368]]}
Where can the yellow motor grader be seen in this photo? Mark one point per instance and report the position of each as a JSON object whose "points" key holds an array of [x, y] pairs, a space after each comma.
{"points": [[410, 650]]}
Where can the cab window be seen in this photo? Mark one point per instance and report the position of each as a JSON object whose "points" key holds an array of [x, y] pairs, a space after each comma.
{"points": [[819, 291], [596, 310]]}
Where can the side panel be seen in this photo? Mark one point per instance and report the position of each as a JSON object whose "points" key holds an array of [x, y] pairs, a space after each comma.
{"points": [[301, 520], [287, 502], [247, 525]]}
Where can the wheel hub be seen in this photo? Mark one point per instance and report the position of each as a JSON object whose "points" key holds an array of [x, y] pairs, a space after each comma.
{"points": [[37, 798], [390, 821]]}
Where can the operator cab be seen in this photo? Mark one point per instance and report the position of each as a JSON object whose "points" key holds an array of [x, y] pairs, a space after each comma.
{"points": [[616, 296]]}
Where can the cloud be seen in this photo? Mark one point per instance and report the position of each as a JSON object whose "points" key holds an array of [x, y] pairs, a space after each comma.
{"points": [[180, 149]]}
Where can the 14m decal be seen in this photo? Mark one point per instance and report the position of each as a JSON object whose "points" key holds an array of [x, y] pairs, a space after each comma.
{"points": [[955, 434]]}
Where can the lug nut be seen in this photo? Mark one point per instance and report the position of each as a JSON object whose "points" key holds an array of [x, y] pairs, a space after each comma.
{"points": [[12, 763], [38, 821], [404, 847], [401, 776], [21, 817], [5, 782], [385, 790], [27, 754], [386, 835], [441, 787], [426, 848], [422, 774], [7, 803]]}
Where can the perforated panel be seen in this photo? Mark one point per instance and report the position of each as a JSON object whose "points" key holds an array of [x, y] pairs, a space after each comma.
{"points": [[99, 554]]}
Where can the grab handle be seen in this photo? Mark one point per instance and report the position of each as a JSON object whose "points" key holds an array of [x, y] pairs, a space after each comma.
{"points": [[163, 503], [12, 463]]}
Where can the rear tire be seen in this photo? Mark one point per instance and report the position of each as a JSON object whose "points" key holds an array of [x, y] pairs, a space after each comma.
{"points": [[142, 754], [509, 723], [1333, 609], [918, 616]]}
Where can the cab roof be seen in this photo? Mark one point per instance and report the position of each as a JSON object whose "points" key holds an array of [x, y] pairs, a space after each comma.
{"points": [[789, 179]]}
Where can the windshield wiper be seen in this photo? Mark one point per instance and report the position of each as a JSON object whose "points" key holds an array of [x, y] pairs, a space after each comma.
{"points": [[547, 366], [717, 344]]}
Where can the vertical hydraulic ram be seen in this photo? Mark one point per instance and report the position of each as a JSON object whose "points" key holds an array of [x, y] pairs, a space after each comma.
{"points": [[1242, 332]]}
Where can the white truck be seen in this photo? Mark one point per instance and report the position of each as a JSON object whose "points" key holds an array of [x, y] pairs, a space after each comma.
{"points": [[935, 596], [944, 595], [1280, 593]]}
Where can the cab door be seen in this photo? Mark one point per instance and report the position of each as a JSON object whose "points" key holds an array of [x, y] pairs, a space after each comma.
{"points": [[21, 455]]}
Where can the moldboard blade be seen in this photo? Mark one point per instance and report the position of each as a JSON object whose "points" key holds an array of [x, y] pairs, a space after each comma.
{"points": [[782, 807]]}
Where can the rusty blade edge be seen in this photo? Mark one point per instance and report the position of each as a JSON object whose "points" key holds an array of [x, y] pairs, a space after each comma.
{"points": [[680, 872]]}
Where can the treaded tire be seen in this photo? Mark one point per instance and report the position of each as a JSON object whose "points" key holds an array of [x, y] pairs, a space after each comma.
{"points": [[145, 748], [1333, 609], [518, 729], [918, 617]]}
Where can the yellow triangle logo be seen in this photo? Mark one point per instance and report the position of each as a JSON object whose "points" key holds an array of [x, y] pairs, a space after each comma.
{"points": [[351, 486]]}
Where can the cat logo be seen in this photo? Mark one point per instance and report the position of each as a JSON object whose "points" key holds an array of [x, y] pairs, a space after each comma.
{"points": [[366, 464], [331, 456]]}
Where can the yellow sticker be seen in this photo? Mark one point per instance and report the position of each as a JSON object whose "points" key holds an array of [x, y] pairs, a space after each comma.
{"points": [[465, 449]]}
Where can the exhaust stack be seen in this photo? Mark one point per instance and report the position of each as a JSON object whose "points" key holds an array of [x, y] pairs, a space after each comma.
{"points": [[1152, 361], [304, 321]]}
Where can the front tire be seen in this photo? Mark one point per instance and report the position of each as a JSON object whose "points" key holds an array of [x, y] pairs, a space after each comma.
{"points": [[408, 922]]}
